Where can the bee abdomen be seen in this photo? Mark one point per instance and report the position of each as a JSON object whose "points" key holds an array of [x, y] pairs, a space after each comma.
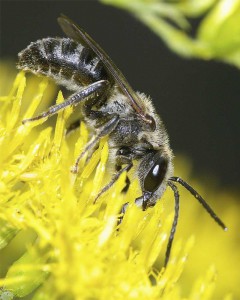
{"points": [[64, 60]]}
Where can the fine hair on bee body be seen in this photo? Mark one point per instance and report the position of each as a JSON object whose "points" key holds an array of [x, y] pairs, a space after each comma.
{"points": [[110, 107]]}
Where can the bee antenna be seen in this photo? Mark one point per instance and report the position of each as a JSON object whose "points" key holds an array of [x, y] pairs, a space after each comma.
{"points": [[200, 200], [175, 221]]}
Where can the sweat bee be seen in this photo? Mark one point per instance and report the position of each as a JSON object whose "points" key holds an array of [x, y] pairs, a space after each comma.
{"points": [[111, 108]]}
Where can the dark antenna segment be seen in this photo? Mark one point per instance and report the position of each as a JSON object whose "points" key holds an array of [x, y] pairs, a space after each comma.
{"points": [[200, 200]]}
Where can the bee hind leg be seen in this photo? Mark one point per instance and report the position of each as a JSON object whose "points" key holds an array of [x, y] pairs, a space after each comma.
{"points": [[88, 112], [97, 88]]}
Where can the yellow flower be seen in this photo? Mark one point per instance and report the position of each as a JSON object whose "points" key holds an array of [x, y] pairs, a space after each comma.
{"points": [[57, 244]]}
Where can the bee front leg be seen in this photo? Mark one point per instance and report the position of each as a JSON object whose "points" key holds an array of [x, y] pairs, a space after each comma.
{"points": [[142, 202]]}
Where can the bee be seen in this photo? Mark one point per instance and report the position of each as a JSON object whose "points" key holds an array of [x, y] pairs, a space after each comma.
{"points": [[110, 107]]}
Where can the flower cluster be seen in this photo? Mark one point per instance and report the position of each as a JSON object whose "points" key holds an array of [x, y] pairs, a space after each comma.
{"points": [[56, 242]]}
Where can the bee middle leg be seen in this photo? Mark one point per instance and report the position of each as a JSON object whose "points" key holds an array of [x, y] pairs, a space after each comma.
{"points": [[109, 123], [73, 126]]}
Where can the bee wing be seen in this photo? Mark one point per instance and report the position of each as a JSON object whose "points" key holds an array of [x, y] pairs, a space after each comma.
{"points": [[74, 32]]}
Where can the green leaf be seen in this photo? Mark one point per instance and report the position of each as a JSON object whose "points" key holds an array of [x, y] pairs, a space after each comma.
{"points": [[26, 274], [221, 31], [218, 35]]}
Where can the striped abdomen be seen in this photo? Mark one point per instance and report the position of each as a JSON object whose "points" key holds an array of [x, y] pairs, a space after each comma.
{"points": [[64, 60]]}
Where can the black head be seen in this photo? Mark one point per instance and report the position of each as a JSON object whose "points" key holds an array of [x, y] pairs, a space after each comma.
{"points": [[154, 171]]}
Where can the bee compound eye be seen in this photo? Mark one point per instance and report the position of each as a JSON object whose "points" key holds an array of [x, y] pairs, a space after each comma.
{"points": [[155, 175]]}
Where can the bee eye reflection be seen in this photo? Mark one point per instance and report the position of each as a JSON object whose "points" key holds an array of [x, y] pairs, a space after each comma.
{"points": [[155, 175]]}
